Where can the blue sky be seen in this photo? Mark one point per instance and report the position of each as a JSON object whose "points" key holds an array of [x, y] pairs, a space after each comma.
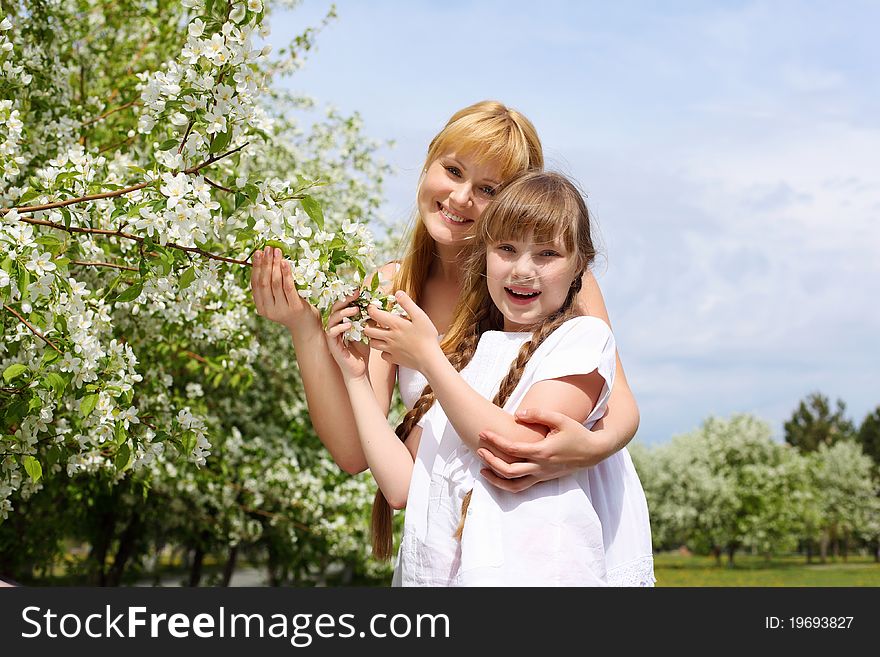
{"points": [[728, 149]]}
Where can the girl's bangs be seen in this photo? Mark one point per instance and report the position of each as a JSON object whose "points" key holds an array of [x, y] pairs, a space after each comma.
{"points": [[533, 213]]}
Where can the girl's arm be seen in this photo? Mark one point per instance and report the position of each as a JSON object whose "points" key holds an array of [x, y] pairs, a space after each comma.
{"points": [[414, 344], [276, 298], [390, 460]]}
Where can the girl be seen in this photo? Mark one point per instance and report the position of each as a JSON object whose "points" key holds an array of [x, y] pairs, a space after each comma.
{"points": [[481, 146], [516, 337]]}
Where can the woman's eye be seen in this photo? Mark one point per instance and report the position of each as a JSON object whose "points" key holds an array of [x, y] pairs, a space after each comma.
{"points": [[455, 171], [487, 190], [505, 247]]}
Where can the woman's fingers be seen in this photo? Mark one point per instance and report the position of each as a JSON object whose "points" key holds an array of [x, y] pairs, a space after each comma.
{"points": [[287, 278], [256, 290], [512, 485], [275, 276], [552, 419], [504, 469], [502, 444], [264, 274]]}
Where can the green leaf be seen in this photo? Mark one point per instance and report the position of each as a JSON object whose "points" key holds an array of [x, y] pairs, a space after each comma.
{"points": [[13, 414], [123, 457], [120, 433], [65, 213], [187, 278], [7, 265], [33, 468], [14, 371], [29, 195], [313, 209], [88, 405], [131, 293], [168, 144], [56, 382], [50, 356], [221, 140]]}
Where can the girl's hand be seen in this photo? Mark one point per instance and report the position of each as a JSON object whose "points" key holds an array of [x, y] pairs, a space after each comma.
{"points": [[406, 342], [567, 447], [274, 293], [351, 356]]}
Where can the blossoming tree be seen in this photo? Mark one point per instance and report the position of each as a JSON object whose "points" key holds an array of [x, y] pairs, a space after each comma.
{"points": [[144, 156]]}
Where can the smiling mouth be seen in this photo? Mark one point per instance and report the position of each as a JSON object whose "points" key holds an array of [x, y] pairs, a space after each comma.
{"points": [[522, 294], [452, 217]]}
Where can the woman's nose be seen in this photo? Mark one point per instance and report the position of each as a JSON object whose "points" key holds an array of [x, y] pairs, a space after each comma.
{"points": [[461, 194]]}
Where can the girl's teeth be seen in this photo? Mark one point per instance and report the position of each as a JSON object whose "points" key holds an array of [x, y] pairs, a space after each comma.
{"points": [[523, 295]]}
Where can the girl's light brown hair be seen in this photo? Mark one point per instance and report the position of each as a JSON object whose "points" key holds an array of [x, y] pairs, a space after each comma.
{"points": [[539, 206], [487, 131]]}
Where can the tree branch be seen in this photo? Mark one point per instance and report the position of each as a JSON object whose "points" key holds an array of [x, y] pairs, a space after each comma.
{"points": [[118, 192], [103, 264], [216, 186], [185, 137], [108, 113], [33, 329]]}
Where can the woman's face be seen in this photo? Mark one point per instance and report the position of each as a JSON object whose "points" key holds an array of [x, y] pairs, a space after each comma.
{"points": [[454, 191]]}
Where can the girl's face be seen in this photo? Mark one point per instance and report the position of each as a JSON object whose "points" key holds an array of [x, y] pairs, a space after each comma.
{"points": [[527, 280], [454, 191]]}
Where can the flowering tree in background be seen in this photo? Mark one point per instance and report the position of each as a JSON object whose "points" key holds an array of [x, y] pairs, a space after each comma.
{"points": [[144, 156]]}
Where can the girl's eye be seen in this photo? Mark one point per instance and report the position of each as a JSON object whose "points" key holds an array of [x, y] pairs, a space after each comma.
{"points": [[455, 171], [549, 254], [505, 247]]}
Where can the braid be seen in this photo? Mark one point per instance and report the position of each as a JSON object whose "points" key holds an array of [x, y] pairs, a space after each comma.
{"points": [[510, 381], [380, 526]]}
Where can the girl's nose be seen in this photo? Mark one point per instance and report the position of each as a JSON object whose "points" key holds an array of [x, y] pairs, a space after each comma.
{"points": [[524, 268]]}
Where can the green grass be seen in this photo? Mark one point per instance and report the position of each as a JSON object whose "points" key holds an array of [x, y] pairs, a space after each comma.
{"points": [[672, 569]]}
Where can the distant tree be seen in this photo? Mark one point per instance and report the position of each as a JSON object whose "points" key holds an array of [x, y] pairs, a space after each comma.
{"points": [[814, 423], [842, 475], [869, 436], [723, 487]]}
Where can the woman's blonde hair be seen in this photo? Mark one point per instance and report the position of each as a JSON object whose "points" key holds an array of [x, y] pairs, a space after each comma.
{"points": [[538, 206], [487, 131]]}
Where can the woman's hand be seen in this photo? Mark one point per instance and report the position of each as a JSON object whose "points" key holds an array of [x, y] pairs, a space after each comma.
{"points": [[567, 447], [274, 293], [351, 356], [406, 342]]}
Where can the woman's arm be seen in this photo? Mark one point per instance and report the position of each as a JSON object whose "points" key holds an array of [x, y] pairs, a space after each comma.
{"points": [[276, 298], [620, 423]]}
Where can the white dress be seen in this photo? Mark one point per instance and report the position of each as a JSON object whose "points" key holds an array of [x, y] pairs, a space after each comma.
{"points": [[589, 528]]}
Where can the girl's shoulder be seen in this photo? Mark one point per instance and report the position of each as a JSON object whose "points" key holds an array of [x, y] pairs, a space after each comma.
{"points": [[580, 327]]}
